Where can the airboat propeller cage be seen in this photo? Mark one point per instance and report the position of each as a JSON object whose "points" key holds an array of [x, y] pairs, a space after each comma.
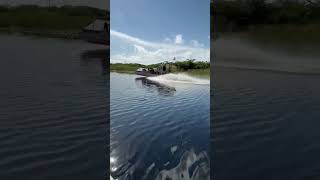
{"points": [[164, 68]]}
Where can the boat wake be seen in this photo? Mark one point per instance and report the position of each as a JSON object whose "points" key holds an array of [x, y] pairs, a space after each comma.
{"points": [[179, 78]]}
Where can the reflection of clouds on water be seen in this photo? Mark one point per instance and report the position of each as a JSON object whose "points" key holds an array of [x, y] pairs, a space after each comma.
{"points": [[152, 85], [122, 167], [153, 125], [113, 161], [191, 167], [174, 149]]}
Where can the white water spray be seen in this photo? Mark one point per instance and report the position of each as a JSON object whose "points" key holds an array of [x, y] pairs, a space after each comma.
{"points": [[179, 78]]}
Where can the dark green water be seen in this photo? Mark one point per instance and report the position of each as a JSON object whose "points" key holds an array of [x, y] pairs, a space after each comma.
{"points": [[265, 119], [53, 109]]}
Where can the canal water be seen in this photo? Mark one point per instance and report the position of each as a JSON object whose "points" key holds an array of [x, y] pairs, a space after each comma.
{"points": [[266, 110], [53, 109], [159, 127]]}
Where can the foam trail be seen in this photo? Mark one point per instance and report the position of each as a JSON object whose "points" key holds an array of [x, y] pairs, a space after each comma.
{"points": [[179, 78]]}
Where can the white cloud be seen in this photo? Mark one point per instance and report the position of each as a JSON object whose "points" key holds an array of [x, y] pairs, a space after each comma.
{"points": [[129, 49], [195, 43], [167, 40], [179, 39]]}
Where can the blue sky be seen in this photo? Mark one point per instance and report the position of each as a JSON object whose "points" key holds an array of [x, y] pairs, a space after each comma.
{"points": [[149, 31]]}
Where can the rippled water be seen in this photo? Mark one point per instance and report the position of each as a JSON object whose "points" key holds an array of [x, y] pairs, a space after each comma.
{"points": [[159, 127], [265, 122], [245, 52], [53, 110]]}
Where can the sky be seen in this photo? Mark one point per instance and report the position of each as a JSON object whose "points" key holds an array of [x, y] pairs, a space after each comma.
{"points": [[101, 4], [153, 31]]}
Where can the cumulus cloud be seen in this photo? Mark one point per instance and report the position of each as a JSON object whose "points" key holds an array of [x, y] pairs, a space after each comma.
{"points": [[129, 49], [195, 43], [167, 40], [179, 39]]}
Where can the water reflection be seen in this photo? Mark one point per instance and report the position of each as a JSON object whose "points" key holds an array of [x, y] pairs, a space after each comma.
{"points": [[248, 53], [158, 131], [50, 99], [191, 167], [152, 85], [102, 55]]}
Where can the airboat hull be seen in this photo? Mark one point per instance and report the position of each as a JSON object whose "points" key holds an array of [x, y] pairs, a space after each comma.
{"points": [[147, 74]]}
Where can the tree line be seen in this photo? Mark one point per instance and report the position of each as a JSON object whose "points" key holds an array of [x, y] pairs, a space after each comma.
{"points": [[64, 17], [189, 64], [65, 10], [244, 13], [185, 65]]}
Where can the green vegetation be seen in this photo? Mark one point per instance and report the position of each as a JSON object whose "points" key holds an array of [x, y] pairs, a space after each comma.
{"points": [[286, 33], [35, 18], [244, 15], [125, 68], [190, 66]]}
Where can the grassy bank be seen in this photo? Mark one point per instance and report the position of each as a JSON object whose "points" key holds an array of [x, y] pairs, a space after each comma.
{"points": [[129, 68], [125, 68], [59, 21]]}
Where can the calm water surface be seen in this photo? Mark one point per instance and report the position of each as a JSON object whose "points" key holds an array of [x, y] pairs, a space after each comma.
{"points": [[53, 110], [266, 111], [159, 128]]}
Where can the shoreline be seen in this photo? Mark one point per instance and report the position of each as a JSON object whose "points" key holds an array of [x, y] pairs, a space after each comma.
{"points": [[190, 73], [61, 34], [199, 69], [64, 22], [265, 70]]}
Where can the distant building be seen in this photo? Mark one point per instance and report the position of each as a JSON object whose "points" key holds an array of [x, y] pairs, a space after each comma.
{"points": [[96, 32]]}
